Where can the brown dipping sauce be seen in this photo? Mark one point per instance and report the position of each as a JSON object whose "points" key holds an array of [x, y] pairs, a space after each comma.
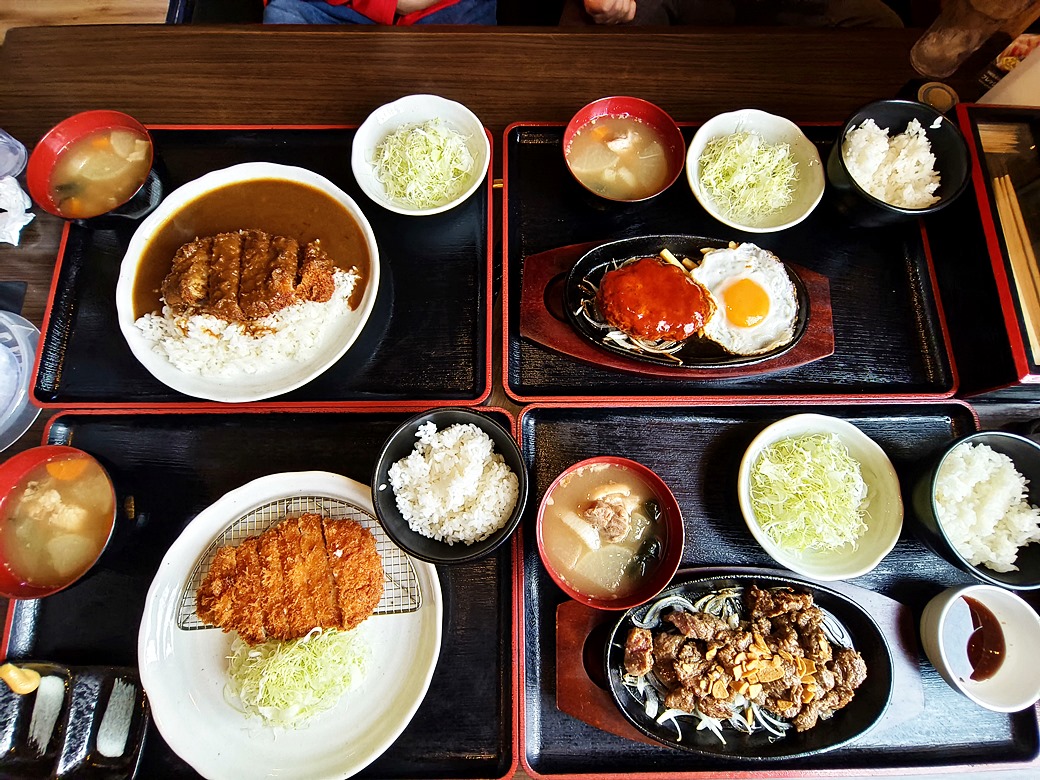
{"points": [[652, 299], [986, 646], [276, 206]]}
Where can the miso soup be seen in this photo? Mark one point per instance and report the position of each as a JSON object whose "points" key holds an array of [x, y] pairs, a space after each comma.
{"points": [[57, 520], [602, 530], [100, 171], [620, 158]]}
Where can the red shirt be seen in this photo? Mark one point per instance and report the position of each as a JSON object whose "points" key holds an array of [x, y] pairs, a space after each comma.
{"points": [[383, 11]]}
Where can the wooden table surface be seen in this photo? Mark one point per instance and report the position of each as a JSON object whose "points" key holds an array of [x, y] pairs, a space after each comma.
{"points": [[251, 75]]}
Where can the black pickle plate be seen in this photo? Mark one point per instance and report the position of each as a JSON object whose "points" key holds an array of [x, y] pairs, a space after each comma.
{"points": [[696, 352], [697, 451], [889, 336], [855, 627], [171, 466], [431, 309], [98, 728]]}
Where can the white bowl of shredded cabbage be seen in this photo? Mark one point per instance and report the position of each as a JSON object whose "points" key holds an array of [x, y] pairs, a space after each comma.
{"points": [[420, 155], [820, 496], [755, 171]]}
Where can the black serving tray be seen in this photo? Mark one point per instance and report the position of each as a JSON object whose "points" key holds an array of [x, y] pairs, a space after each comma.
{"points": [[427, 338], [889, 334], [697, 451], [174, 465]]}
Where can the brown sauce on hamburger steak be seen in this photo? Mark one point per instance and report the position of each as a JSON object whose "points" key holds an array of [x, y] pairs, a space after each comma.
{"points": [[654, 300]]}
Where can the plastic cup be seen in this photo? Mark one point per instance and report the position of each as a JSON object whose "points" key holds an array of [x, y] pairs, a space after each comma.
{"points": [[18, 340], [12, 155]]}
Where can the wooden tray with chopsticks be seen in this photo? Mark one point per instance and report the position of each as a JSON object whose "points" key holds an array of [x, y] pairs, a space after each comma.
{"points": [[1006, 170]]}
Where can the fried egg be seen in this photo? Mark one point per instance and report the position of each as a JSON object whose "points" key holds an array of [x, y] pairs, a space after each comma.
{"points": [[756, 304]]}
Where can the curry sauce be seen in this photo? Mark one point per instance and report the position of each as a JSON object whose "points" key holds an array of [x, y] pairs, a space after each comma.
{"points": [[277, 206]]}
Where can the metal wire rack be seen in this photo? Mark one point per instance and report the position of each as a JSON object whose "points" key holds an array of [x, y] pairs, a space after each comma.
{"points": [[401, 591]]}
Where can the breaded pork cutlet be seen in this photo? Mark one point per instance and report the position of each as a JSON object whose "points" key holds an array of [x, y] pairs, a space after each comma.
{"points": [[303, 573], [246, 275]]}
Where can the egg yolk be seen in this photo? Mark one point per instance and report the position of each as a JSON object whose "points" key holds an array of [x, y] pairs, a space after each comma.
{"points": [[747, 304]]}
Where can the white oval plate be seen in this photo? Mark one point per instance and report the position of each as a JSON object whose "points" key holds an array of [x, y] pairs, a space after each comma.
{"points": [[270, 381], [184, 672]]}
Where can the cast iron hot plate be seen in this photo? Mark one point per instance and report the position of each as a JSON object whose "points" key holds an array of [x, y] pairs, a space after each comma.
{"points": [[853, 627]]}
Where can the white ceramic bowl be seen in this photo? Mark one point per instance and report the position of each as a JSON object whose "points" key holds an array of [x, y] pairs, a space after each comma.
{"points": [[271, 380], [885, 513], [945, 624], [773, 129], [414, 110]]}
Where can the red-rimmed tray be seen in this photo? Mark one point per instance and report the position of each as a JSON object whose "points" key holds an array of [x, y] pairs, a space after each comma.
{"points": [[697, 451], [989, 329], [889, 332], [176, 463], [543, 320], [433, 308]]}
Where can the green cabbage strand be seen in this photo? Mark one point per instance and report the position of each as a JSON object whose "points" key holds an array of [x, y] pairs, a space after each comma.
{"points": [[747, 178], [808, 493], [424, 166], [288, 682]]}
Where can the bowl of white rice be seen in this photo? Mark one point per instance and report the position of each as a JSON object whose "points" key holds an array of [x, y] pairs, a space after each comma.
{"points": [[978, 506], [896, 160], [450, 485]]}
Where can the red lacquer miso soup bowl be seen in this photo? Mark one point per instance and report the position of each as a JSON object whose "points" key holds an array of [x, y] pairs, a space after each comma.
{"points": [[610, 533], [57, 513], [89, 164], [624, 149]]}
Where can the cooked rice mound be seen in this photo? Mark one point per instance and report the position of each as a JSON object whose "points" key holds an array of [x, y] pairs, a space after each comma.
{"points": [[453, 486], [980, 498], [205, 345], [899, 170]]}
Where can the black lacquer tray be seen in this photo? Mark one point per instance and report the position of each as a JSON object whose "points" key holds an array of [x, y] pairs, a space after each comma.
{"points": [[697, 451], [427, 338], [889, 335], [176, 464]]}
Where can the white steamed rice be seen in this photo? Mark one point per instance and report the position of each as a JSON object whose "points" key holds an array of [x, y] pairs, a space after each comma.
{"points": [[453, 486], [980, 498], [899, 170], [205, 345]]}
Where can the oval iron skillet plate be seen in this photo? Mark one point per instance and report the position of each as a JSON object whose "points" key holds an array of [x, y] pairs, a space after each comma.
{"points": [[847, 724], [696, 352]]}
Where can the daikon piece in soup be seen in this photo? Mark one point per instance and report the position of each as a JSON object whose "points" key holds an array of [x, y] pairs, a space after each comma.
{"points": [[100, 171], [57, 520], [620, 158], [602, 530]]}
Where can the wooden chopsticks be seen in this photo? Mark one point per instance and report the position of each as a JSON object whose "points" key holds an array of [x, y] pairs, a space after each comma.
{"points": [[1022, 257]]}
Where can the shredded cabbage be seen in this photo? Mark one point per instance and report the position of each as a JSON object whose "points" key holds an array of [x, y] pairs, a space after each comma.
{"points": [[808, 493], [287, 683], [747, 178], [424, 166]]}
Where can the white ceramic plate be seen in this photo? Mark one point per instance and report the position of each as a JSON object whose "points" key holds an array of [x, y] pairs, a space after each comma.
{"points": [[774, 130], [270, 381], [414, 110], [184, 672], [885, 511]]}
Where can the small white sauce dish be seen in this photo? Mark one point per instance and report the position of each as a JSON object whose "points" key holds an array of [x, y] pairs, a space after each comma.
{"points": [[1015, 685], [885, 512], [416, 110], [808, 189]]}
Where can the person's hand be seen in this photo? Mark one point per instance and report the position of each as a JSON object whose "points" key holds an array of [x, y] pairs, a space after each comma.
{"points": [[611, 11], [411, 6]]}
